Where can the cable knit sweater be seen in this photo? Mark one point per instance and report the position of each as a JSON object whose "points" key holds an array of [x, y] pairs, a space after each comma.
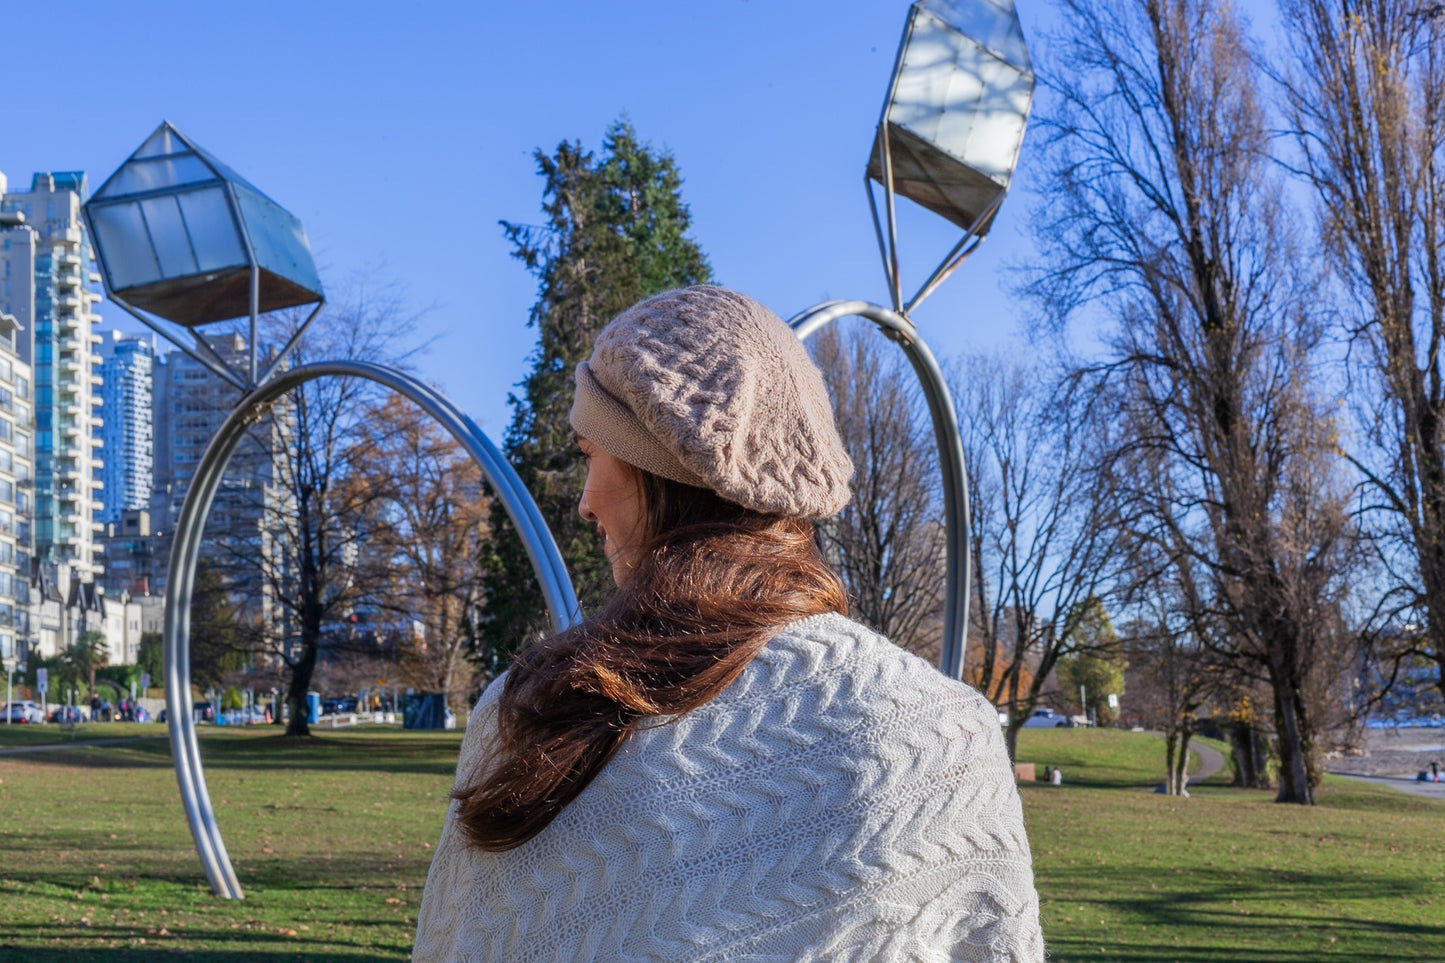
{"points": [[840, 800]]}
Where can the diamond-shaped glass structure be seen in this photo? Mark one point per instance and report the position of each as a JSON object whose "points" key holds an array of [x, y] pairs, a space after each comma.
{"points": [[957, 111], [177, 233]]}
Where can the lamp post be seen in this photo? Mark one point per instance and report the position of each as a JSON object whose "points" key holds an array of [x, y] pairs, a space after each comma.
{"points": [[184, 241], [948, 140]]}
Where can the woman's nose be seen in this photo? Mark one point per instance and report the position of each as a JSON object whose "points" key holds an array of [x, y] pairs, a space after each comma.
{"points": [[584, 509]]}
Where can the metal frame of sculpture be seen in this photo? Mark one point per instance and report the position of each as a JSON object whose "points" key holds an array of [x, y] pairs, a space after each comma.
{"points": [[521, 509], [948, 139], [169, 252]]}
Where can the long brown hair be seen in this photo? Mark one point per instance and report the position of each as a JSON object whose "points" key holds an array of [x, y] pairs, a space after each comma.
{"points": [[711, 585]]}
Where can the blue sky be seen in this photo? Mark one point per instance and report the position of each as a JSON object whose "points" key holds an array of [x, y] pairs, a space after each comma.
{"points": [[401, 135]]}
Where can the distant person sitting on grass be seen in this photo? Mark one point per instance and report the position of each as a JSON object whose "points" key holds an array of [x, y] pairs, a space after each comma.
{"points": [[718, 764]]}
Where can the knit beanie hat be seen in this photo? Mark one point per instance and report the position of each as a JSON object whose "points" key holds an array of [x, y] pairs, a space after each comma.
{"points": [[707, 387]]}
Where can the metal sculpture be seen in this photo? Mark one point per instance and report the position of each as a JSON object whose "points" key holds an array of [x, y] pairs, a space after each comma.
{"points": [[184, 239], [948, 140]]}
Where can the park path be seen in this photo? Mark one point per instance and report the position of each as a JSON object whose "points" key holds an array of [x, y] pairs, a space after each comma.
{"points": [[1433, 790], [1211, 761], [49, 746]]}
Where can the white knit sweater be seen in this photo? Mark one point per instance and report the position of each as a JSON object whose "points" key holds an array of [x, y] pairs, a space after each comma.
{"points": [[841, 800]]}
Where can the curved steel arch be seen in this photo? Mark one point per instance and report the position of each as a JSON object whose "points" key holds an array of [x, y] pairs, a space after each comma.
{"points": [[541, 549], [950, 457]]}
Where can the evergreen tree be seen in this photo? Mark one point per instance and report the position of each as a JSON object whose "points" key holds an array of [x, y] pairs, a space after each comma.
{"points": [[1096, 663], [150, 657], [616, 232], [215, 633]]}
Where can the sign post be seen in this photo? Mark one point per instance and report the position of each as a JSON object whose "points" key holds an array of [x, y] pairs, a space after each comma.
{"points": [[42, 682]]}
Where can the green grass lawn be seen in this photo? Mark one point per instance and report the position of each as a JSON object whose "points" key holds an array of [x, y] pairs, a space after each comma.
{"points": [[1227, 875], [331, 838], [15, 735]]}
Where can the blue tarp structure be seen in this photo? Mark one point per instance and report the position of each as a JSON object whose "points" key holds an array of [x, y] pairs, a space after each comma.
{"points": [[424, 710]]}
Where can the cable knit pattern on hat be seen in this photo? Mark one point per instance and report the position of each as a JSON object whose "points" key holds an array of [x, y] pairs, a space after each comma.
{"points": [[841, 800], [726, 397]]}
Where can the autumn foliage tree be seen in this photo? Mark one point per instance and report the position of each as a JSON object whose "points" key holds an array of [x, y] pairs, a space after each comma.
{"points": [[427, 539]]}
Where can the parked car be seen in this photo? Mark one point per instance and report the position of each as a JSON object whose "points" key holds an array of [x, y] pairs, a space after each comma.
{"points": [[200, 712], [23, 710], [141, 715], [1046, 718], [332, 707]]}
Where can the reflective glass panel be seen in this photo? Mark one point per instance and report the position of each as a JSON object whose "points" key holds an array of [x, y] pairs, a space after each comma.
{"points": [[163, 141], [149, 175], [959, 96], [125, 247], [278, 239], [998, 123], [168, 235], [214, 236], [991, 23]]}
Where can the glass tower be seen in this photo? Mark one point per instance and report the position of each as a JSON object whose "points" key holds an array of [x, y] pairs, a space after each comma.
{"points": [[56, 340], [127, 372]]}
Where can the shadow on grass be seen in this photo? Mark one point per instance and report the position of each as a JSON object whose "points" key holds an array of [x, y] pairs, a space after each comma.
{"points": [[292, 873], [1070, 951], [1271, 911], [421, 756], [155, 949]]}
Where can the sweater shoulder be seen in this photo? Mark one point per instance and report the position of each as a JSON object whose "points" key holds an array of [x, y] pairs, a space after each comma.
{"points": [[832, 649]]}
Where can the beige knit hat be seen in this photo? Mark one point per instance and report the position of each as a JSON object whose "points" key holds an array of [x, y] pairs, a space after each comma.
{"points": [[707, 387]]}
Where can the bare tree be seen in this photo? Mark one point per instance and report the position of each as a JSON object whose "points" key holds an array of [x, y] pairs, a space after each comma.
{"points": [[1044, 554], [888, 544], [1176, 676], [1169, 226], [1366, 96], [318, 510]]}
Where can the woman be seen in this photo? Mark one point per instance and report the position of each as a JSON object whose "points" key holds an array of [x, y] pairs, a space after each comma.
{"points": [[719, 765]]}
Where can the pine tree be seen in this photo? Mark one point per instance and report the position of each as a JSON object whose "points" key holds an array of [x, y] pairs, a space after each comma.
{"points": [[616, 232]]}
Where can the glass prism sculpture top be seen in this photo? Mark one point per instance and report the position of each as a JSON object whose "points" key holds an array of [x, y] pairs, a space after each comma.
{"points": [[956, 115], [177, 233]]}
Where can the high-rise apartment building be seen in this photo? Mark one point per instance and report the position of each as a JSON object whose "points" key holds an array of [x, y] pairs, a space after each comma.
{"points": [[56, 339], [127, 369], [190, 404], [16, 478]]}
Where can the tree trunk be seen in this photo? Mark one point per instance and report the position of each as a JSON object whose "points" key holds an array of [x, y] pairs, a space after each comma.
{"points": [[1181, 762], [1170, 744], [301, 684], [1244, 741], [1292, 733]]}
